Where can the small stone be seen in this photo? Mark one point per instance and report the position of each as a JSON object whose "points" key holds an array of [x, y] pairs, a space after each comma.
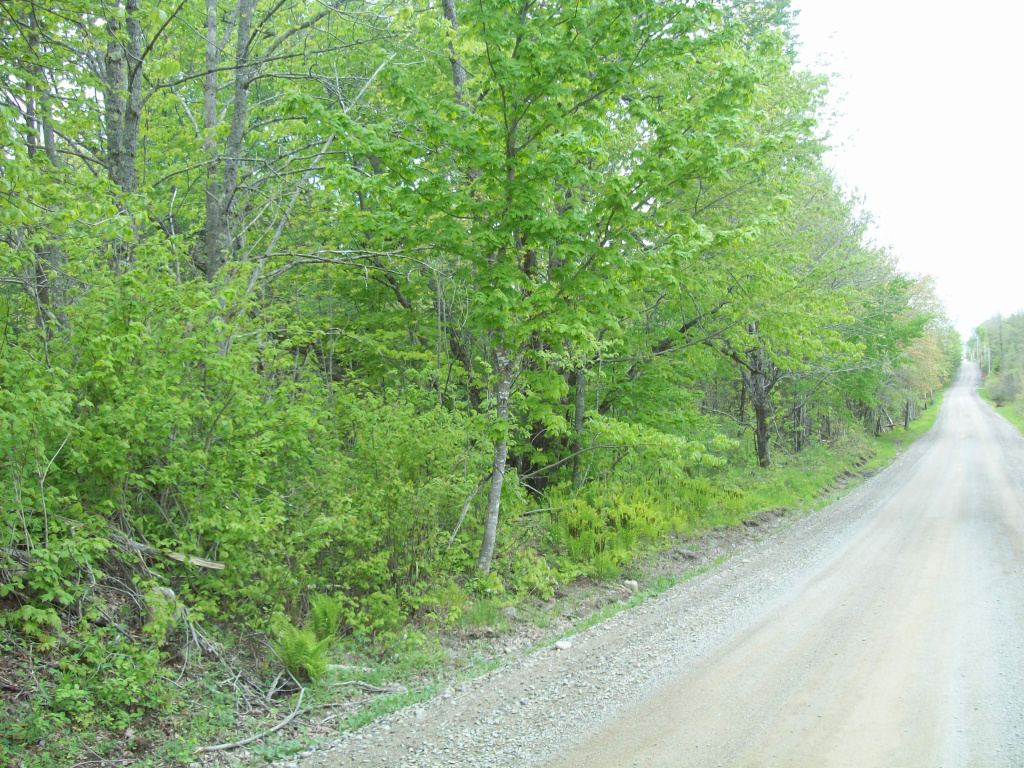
{"points": [[563, 645], [420, 714], [631, 585]]}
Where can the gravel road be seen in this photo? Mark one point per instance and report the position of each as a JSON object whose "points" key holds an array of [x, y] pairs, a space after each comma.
{"points": [[884, 630]]}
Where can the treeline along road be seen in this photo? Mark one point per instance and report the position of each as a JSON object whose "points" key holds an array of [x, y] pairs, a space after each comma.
{"points": [[884, 630]]}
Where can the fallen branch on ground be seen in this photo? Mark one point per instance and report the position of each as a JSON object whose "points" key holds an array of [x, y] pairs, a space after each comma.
{"points": [[258, 736], [389, 688]]}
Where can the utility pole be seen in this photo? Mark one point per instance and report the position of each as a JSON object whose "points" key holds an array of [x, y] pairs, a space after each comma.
{"points": [[1001, 365]]}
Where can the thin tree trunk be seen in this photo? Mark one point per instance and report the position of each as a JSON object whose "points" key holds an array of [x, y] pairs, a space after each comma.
{"points": [[458, 71], [578, 423], [114, 104], [236, 133], [762, 436], [128, 172], [504, 390], [122, 97], [759, 388], [212, 224]]}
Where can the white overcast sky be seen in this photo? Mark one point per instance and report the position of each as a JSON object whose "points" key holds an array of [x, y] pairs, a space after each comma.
{"points": [[930, 131]]}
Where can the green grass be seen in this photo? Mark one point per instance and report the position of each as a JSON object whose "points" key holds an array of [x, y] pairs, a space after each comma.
{"points": [[483, 613], [796, 480], [804, 481], [1013, 411]]}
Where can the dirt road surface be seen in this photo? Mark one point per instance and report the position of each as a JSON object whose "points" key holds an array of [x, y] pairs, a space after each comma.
{"points": [[884, 630]]}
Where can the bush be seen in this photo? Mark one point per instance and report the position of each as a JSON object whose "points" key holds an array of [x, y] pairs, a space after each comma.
{"points": [[1004, 387], [377, 616]]}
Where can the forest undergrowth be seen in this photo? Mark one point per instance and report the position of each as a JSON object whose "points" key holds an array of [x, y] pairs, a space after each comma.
{"points": [[464, 628]]}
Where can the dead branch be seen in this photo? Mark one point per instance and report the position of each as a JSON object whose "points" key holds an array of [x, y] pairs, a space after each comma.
{"points": [[389, 688], [258, 736], [145, 549], [465, 509]]}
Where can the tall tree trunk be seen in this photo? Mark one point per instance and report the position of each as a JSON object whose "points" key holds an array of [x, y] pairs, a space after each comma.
{"points": [[233, 146], [503, 359], [756, 377], [213, 228], [129, 173], [115, 88], [504, 369], [458, 71], [122, 97]]}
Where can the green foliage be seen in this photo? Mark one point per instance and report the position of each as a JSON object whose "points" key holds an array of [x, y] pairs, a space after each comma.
{"points": [[163, 614], [997, 345], [301, 653], [483, 612], [532, 575], [102, 681], [444, 603], [325, 616], [378, 616], [40, 625], [1004, 387]]}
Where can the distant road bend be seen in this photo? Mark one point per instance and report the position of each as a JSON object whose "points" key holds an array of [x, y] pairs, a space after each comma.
{"points": [[885, 630]]}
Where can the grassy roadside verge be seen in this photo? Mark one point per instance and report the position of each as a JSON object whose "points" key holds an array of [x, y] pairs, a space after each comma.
{"points": [[807, 480], [1013, 411], [888, 445]]}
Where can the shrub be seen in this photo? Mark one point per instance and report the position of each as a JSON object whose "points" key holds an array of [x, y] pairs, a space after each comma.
{"points": [[1004, 387]]}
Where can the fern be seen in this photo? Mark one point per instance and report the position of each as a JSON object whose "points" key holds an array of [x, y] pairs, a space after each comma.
{"points": [[302, 654], [325, 616]]}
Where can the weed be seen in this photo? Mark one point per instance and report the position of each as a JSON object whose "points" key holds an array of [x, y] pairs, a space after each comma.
{"points": [[325, 615], [483, 613], [301, 653]]}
